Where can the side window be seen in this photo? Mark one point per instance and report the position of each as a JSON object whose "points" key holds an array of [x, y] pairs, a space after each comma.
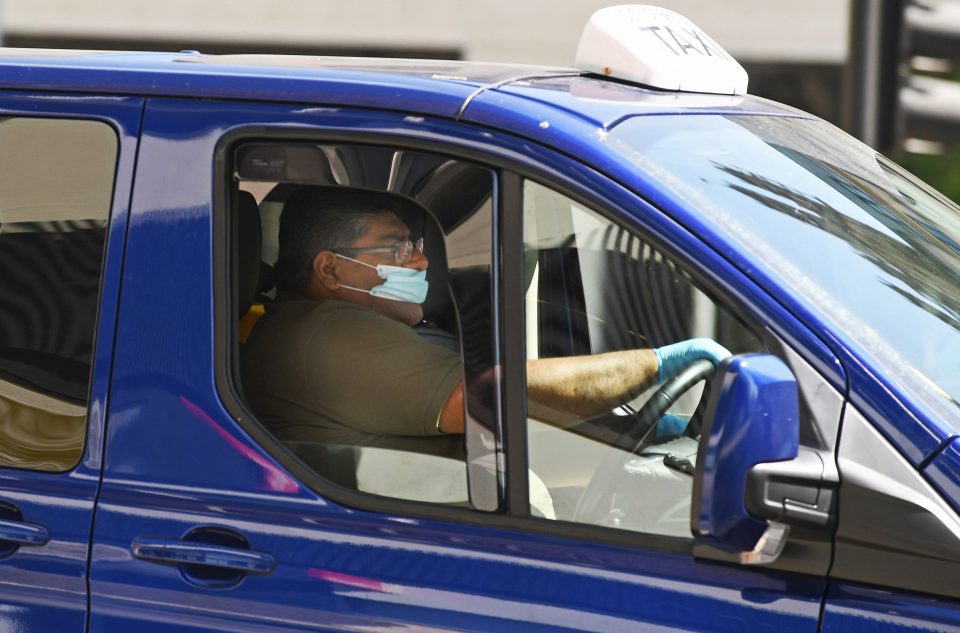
{"points": [[56, 185], [595, 288], [341, 359]]}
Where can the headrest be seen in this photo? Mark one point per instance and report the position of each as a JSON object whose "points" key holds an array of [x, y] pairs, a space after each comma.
{"points": [[453, 191], [248, 250], [438, 272]]}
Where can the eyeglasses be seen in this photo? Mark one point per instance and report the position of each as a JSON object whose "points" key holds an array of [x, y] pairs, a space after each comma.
{"points": [[402, 251]]}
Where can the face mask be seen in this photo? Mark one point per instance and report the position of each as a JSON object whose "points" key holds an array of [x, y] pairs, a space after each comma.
{"points": [[401, 284]]}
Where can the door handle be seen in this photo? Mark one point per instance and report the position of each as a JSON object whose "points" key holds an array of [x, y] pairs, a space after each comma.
{"points": [[23, 532], [193, 553]]}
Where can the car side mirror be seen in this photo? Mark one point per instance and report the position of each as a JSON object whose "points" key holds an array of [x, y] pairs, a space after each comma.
{"points": [[750, 466]]}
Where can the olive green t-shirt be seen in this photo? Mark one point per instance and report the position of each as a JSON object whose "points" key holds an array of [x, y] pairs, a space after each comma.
{"points": [[338, 373]]}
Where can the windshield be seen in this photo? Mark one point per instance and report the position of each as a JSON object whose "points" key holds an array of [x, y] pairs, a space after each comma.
{"points": [[874, 249]]}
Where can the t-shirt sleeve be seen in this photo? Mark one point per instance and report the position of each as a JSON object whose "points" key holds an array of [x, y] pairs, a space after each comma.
{"points": [[378, 374]]}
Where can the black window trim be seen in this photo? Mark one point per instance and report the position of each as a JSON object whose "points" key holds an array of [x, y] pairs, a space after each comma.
{"points": [[508, 167], [511, 308]]}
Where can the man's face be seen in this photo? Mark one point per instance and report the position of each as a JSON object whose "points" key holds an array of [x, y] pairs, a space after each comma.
{"points": [[383, 230]]}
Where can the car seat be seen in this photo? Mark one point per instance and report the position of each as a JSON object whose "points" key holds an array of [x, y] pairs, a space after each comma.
{"points": [[249, 267]]}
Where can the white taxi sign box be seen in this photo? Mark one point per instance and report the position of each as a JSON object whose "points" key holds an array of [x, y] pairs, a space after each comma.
{"points": [[658, 48]]}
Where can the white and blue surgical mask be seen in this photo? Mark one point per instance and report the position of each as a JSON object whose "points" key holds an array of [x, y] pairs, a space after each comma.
{"points": [[400, 284]]}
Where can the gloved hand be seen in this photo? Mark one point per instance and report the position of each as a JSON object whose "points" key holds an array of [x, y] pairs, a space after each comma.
{"points": [[671, 424], [673, 358]]}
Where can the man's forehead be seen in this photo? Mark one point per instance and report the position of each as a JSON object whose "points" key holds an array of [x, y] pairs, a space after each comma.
{"points": [[386, 224]]}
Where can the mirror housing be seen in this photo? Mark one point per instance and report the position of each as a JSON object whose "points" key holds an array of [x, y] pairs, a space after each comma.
{"points": [[752, 417]]}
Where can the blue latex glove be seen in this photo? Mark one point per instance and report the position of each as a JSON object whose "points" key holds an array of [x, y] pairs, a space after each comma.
{"points": [[671, 424], [673, 358]]}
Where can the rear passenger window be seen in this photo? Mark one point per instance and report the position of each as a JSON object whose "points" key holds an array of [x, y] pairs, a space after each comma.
{"points": [[56, 183]]}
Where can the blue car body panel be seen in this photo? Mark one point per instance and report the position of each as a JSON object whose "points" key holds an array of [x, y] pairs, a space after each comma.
{"points": [[856, 608], [176, 462]]}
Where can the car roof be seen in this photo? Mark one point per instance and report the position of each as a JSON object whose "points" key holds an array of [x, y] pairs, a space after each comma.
{"points": [[431, 87]]}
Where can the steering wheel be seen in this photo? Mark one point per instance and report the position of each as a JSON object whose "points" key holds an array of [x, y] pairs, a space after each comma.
{"points": [[600, 493], [645, 421]]}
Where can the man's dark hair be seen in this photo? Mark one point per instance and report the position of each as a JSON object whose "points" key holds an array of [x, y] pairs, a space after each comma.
{"points": [[316, 219]]}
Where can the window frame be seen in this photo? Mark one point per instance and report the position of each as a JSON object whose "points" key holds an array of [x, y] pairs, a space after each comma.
{"points": [[104, 321], [537, 163], [226, 333], [713, 293]]}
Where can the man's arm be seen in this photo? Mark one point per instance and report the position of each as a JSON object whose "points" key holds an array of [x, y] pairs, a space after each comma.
{"points": [[569, 389], [452, 414], [574, 387]]}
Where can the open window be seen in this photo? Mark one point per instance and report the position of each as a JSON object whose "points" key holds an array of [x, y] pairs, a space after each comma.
{"points": [[453, 214]]}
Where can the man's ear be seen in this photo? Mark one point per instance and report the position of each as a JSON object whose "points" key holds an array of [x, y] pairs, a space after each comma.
{"points": [[323, 270]]}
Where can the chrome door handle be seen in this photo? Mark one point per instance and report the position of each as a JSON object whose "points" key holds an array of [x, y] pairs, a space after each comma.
{"points": [[23, 533], [193, 553]]}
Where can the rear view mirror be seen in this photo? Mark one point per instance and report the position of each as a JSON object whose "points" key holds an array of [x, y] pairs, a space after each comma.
{"points": [[752, 417]]}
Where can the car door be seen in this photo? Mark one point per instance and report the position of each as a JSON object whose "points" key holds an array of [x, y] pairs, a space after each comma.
{"points": [[206, 521], [66, 164]]}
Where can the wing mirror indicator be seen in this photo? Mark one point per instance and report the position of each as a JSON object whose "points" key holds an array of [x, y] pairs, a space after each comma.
{"points": [[753, 480]]}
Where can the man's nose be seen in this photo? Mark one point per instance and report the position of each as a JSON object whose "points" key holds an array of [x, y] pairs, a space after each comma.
{"points": [[417, 260]]}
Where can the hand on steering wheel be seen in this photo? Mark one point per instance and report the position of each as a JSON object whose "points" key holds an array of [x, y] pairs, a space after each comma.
{"points": [[674, 358], [671, 425], [645, 421], [674, 368]]}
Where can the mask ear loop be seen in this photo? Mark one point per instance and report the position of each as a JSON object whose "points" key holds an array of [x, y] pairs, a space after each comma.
{"points": [[343, 285], [355, 289]]}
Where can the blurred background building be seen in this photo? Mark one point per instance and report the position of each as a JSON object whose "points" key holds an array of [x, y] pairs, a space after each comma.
{"points": [[795, 52]]}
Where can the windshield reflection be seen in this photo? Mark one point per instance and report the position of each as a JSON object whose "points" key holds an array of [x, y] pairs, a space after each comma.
{"points": [[907, 259], [858, 238]]}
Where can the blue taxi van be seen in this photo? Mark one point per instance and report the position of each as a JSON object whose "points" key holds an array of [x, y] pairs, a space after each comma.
{"points": [[636, 200]]}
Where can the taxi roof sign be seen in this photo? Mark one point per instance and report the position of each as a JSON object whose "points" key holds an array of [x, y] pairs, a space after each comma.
{"points": [[658, 48]]}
